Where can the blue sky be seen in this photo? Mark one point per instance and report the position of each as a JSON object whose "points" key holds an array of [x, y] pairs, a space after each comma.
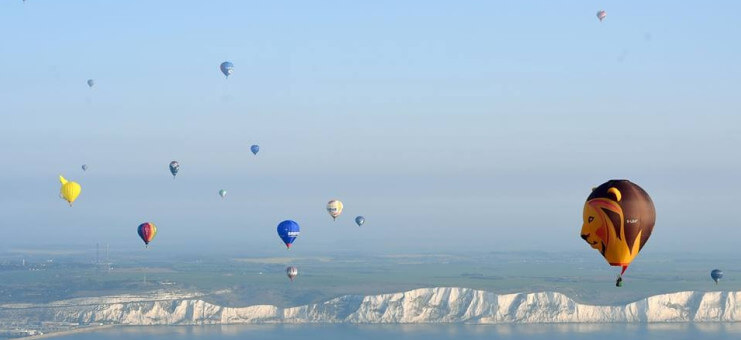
{"points": [[448, 125]]}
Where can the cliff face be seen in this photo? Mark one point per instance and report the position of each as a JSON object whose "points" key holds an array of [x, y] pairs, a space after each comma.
{"points": [[426, 305]]}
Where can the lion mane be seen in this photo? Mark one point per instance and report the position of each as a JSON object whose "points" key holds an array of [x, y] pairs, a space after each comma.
{"points": [[619, 217]]}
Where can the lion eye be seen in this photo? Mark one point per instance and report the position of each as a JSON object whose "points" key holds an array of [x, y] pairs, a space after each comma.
{"points": [[590, 219]]}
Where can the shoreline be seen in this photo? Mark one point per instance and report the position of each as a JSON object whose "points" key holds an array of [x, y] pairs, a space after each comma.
{"points": [[67, 332], [437, 305], [457, 324]]}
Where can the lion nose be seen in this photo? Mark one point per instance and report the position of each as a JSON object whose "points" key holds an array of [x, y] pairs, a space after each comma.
{"points": [[585, 237]]}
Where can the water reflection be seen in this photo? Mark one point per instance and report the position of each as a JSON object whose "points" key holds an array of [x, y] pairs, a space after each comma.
{"points": [[676, 331]]}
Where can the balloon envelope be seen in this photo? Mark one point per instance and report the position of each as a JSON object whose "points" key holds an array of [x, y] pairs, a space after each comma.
{"points": [[288, 231], [291, 272], [619, 217], [90, 82], [227, 68], [174, 168], [255, 149], [360, 220], [334, 208], [716, 275], [147, 231], [222, 193], [69, 190], [84, 167], [601, 15]]}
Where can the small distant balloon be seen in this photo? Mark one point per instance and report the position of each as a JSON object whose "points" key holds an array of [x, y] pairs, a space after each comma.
{"points": [[291, 272], [84, 167], [227, 68], [222, 193], [360, 220], [334, 208], [90, 82], [288, 231], [255, 149], [69, 190], [174, 168], [147, 231], [601, 15], [716, 275]]}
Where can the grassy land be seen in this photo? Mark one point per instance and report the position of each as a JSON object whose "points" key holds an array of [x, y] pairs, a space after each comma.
{"points": [[257, 280]]}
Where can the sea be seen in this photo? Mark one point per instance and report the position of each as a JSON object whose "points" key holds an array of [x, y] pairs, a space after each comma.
{"points": [[675, 331]]}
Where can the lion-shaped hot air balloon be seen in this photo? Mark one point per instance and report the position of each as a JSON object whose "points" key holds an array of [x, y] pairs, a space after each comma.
{"points": [[619, 217]]}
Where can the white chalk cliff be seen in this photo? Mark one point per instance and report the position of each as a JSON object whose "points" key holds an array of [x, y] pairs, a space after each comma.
{"points": [[425, 305]]}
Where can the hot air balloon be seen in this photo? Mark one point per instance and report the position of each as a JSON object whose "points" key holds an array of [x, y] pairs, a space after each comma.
{"points": [[222, 193], [69, 190], [291, 272], [716, 275], [255, 149], [360, 220], [288, 231], [227, 68], [174, 167], [90, 82], [84, 167], [334, 208], [601, 15], [619, 217], [147, 231]]}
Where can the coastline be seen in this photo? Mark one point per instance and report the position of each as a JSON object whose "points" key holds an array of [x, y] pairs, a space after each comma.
{"points": [[699, 330], [419, 306], [67, 332]]}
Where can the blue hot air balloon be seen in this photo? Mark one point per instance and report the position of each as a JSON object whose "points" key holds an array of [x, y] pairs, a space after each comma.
{"points": [[90, 82], [174, 167], [360, 220], [288, 231], [255, 149], [84, 167], [227, 68], [716, 275]]}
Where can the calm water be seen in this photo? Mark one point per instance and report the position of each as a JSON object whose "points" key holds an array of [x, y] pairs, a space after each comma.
{"points": [[427, 332]]}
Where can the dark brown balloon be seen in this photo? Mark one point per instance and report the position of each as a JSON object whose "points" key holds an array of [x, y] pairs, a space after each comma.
{"points": [[619, 217]]}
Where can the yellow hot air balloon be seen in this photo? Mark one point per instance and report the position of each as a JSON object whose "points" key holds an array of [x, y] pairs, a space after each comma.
{"points": [[69, 190], [334, 208]]}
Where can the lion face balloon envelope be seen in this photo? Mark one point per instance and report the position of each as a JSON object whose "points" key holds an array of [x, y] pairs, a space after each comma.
{"points": [[619, 217]]}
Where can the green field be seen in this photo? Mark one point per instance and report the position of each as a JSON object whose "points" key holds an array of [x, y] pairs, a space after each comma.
{"points": [[247, 281]]}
